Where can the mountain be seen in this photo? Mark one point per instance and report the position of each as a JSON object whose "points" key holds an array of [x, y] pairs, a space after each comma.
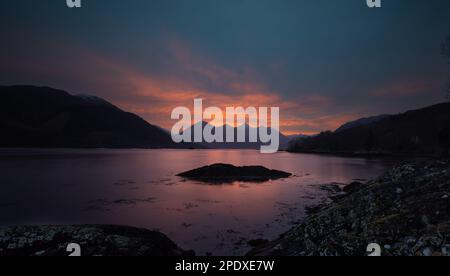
{"points": [[94, 100], [297, 136], [423, 131], [284, 141], [361, 122], [33, 116]]}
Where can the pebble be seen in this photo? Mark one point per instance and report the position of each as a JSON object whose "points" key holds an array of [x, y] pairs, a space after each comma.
{"points": [[427, 252], [39, 253], [446, 250], [278, 247]]}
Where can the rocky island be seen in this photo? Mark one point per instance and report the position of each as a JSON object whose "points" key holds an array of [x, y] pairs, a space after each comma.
{"points": [[94, 240], [406, 212], [224, 173]]}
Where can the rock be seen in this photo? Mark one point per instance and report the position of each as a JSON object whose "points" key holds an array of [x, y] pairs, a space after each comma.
{"points": [[415, 223], [224, 173], [278, 247], [257, 242], [40, 253], [353, 187], [94, 240], [332, 188], [427, 252]]}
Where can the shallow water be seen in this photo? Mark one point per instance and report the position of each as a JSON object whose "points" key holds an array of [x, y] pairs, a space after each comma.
{"points": [[139, 188]]}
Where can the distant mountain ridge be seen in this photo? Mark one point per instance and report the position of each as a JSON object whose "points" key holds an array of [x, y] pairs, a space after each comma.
{"points": [[361, 122], [284, 140], [33, 116], [423, 131], [96, 100]]}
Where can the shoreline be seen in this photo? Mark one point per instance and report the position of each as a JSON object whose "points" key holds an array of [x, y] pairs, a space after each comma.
{"points": [[406, 211], [370, 155]]}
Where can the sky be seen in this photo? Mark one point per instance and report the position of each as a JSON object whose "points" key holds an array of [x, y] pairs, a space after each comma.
{"points": [[323, 62]]}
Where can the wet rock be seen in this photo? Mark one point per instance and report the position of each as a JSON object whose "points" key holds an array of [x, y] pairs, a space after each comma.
{"points": [[353, 187], [257, 242], [332, 188], [310, 210], [95, 240], [224, 173]]}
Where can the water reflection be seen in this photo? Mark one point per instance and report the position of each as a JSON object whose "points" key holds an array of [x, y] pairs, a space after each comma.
{"points": [[140, 188]]}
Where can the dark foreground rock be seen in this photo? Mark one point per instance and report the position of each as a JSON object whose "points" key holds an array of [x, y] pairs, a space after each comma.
{"points": [[406, 212], [94, 240], [224, 173]]}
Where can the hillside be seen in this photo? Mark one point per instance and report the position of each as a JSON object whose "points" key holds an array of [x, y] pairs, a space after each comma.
{"points": [[423, 131], [44, 117]]}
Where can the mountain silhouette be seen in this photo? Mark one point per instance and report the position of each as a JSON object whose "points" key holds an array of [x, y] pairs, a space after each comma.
{"points": [[361, 122], [284, 141], [33, 116], [423, 131]]}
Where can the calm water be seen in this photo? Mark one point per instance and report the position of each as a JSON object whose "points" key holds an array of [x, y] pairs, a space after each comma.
{"points": [[139, 188]]}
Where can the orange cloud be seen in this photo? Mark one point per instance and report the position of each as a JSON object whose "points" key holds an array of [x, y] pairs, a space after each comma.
{"points": [[160, 95], [316, 124], [153, 96]]}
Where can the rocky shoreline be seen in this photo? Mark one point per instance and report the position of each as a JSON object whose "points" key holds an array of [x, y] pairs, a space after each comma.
{"points": [[406, 212], [94, 240]]}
